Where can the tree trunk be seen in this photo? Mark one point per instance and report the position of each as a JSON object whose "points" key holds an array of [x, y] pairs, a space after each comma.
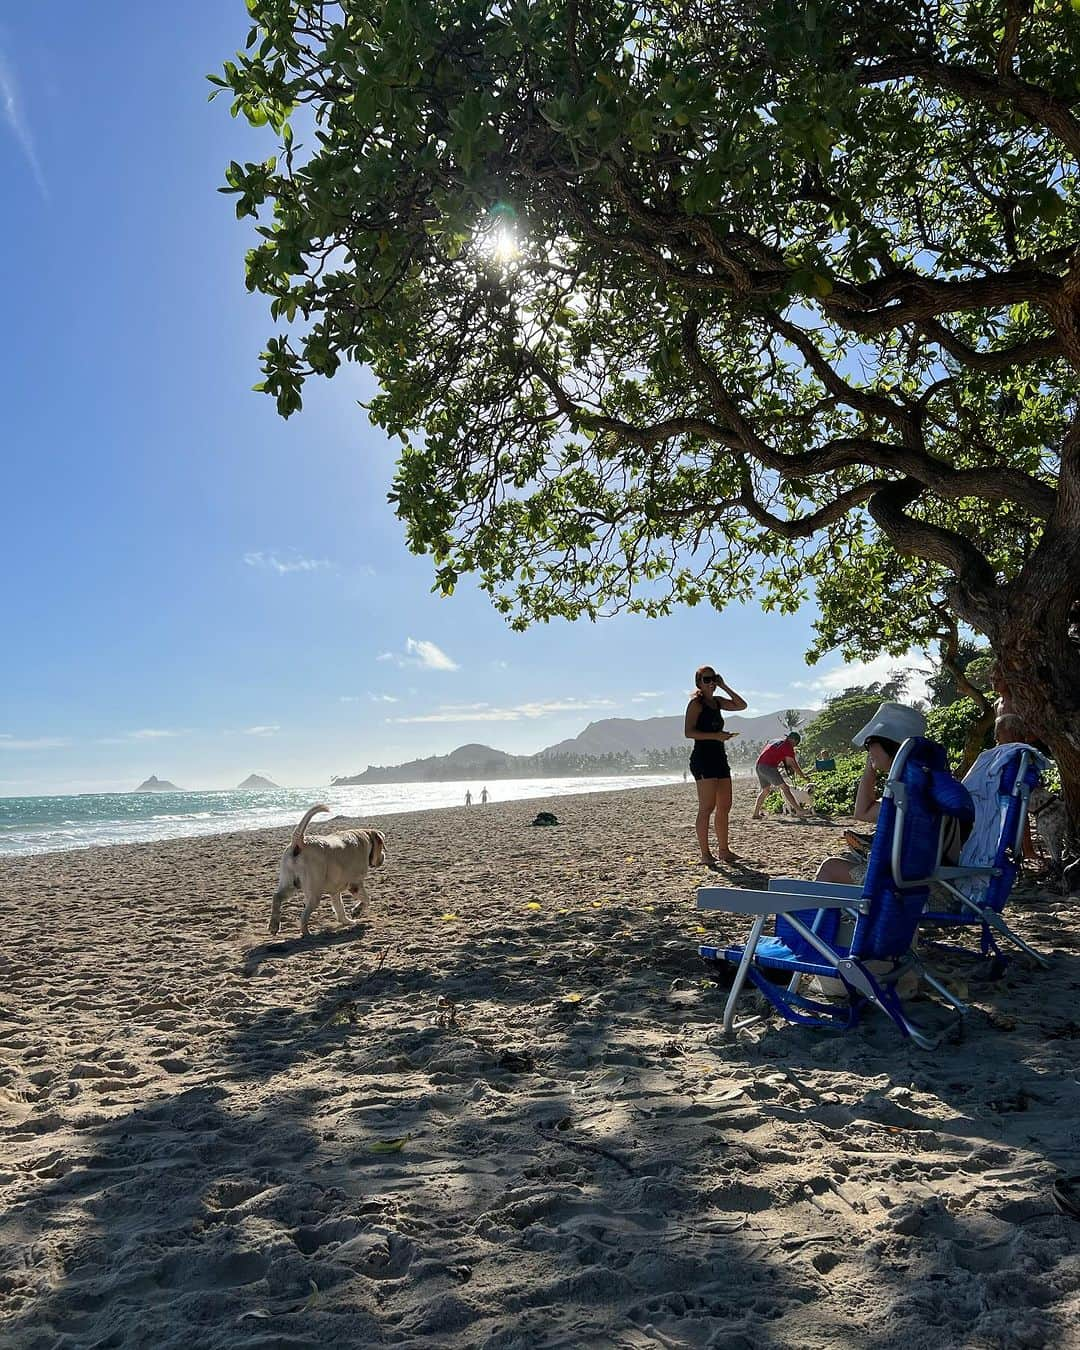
{"points": [[973, 741], [1040, 662]]}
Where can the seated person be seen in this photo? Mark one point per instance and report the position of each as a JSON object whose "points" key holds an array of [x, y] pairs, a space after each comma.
{"points": [[881, 738]]}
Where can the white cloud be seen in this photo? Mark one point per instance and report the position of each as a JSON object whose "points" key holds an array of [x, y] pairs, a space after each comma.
{"points": [[281, 566], [261, 731], [9, 742], [383, 698], [647, 694], [10, 105], [841, 677], [420, 653], [428, 656], [145, 734], [484, 712]]}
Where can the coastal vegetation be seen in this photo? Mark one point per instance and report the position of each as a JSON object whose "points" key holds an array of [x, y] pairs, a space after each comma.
{"points": [[685, 304]]}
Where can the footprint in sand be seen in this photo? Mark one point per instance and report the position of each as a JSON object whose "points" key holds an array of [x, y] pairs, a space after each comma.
{"points": [[229, 1194]]}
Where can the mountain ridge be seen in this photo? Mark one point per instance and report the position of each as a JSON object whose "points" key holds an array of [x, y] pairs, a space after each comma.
{"points": [[614, 737]]}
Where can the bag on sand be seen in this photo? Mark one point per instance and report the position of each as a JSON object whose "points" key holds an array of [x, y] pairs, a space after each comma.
{"points": [[545, 818]]}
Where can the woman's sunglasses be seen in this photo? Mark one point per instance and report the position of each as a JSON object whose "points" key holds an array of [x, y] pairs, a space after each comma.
{"points": [[709, 679]]}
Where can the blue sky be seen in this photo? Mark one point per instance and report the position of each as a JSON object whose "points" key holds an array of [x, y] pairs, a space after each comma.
{"points": [[193, 587]]}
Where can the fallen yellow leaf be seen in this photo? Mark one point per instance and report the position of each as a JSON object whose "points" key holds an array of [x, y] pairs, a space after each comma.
{"points": [[572, 998], [448, 916], [533, 904], [389, 1145]]}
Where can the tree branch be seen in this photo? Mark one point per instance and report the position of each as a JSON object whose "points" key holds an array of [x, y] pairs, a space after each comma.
{"points": [[1035, 104], [1020, 354], [802, 527], [920, 539]]}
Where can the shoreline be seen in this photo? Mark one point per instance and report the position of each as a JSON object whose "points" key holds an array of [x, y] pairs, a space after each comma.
{"points": [[661, 780], [498, 1113]]}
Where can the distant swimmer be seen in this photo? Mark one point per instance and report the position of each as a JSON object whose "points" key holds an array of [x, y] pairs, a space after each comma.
{"points": [[468, 797], [483, 796]]}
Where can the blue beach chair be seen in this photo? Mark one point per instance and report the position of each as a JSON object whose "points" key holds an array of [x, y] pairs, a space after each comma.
{"points": [[1001, 780], [906, 852]]}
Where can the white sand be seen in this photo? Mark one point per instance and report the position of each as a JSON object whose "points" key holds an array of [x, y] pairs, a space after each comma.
{"points": [[196, 1120]]}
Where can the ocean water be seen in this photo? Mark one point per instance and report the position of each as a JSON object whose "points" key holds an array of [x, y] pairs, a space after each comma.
{"points": [[49, 824]]}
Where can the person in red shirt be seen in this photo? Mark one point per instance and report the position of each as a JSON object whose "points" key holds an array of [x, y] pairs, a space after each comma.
{"points": [[777, 756]]}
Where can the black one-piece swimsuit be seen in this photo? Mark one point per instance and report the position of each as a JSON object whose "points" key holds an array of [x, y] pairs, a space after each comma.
{"points": [[708, 759]]}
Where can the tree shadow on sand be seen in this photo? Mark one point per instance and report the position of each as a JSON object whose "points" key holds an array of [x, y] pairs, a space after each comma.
{"points": [[278, 949], [523, 1141]]}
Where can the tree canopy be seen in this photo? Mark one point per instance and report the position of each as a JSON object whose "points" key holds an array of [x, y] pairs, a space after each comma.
{"points": [[831, 730], [692, 302]]}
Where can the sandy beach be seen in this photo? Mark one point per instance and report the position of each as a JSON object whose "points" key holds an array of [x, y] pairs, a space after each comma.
{"points": [[499, 1113]]}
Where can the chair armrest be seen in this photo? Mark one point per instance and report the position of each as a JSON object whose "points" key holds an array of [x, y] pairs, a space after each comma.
{"points": [[954, 873], [827, 888], [732, 901]]}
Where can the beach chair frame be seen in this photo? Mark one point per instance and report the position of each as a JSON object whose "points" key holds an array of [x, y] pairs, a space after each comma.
{"points": [[885, 911], [987, 914]]}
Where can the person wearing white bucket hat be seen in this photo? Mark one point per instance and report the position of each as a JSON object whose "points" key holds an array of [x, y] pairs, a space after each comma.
{"points": [[890, 725], [892, 722]]}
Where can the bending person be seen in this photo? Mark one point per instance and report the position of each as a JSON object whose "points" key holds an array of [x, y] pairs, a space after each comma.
{"points": [[779, 756], [704, 726]]}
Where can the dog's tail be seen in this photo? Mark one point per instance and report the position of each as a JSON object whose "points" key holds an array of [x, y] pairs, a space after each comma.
{"points": [[377, 856], [298, 833]]}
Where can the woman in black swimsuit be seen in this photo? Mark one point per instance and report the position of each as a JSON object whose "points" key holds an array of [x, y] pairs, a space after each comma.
{"points": [[708, 761]]}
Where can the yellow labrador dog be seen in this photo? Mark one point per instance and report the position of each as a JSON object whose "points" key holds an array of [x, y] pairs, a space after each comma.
{"points": [[326, 864]]}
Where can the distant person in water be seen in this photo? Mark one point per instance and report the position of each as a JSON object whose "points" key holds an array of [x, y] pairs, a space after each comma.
{"points": [[483, 796], [468, 797], [704, 725], [775, 759]]}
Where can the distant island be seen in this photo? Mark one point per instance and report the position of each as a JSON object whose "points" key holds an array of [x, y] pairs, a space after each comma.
{"points": [[614, 745], [153, 784], [255, 782]]}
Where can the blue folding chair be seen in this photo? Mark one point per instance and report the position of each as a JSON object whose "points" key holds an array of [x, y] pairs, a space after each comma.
{"points": [[1001, 780], [906, 852]]}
